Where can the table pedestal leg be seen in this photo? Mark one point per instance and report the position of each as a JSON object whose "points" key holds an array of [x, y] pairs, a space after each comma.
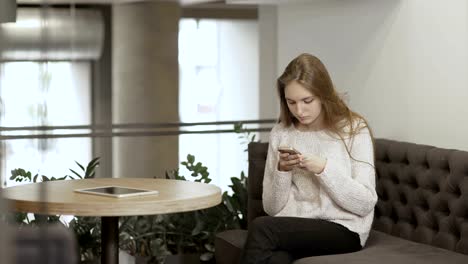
{"points": [[110, 240]]}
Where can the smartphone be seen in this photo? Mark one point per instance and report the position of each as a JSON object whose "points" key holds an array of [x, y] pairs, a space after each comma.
{"points": [[290, 150]]}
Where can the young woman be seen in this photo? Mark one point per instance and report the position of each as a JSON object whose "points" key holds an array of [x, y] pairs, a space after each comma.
{"points": [[320, 194]]}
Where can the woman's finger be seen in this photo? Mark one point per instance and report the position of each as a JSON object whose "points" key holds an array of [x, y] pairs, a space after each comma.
{"points": [[293, 162], [284, 156]]}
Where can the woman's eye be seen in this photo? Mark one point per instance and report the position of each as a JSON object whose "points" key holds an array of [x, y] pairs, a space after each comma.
{"points": [[289, 102], [308, 101]]}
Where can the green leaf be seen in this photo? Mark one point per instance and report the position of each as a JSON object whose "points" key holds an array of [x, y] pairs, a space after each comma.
{"points": [[81, 166], [94, 162], [190, 158], [17, 173], [76, 173], [210, 247], [197, 228], [227, 200], [91, 167], [20, 175], [206, 256]]}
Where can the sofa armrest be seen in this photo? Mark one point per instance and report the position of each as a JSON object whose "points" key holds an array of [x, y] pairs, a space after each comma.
{"points": [[229, 245]]}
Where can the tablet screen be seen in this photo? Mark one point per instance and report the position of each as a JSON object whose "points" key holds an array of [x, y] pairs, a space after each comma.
{"points": [[117, 191]]}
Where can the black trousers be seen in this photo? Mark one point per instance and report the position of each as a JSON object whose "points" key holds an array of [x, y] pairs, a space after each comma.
{"points": [[281, 240]]}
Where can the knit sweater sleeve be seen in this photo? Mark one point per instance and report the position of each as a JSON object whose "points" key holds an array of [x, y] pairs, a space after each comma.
{"points": [[276, 184], [354, 189]]}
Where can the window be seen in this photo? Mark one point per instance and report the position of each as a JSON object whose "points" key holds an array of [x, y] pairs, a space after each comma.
{"points": [[44, 94], [218, 62]]}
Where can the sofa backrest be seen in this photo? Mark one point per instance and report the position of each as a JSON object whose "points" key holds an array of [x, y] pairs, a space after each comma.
{"points": [[423, 192]]}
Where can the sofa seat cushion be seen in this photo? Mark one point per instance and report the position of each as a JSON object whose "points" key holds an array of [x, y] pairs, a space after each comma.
{"points": [[387, 249], [380, 248]]}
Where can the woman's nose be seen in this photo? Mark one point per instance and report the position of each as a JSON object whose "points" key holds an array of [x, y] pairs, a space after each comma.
{"points": [[299, 109]]}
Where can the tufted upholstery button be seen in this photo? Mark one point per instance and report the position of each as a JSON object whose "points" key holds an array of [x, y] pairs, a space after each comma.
{"points": [[381, 193], [403, 199], [394, 178], [377, 213], [459, 207], [412, 221], [445, 211], [386, 158], [413, 184], [394, 216], [406, 161], [425, 164], [425, 206]]}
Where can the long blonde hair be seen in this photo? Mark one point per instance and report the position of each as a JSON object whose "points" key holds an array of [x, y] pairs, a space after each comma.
{"points": [[311, 73]]}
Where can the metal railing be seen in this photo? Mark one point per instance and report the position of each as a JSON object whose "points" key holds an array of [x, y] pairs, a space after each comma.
{"points": [[136, 129]]}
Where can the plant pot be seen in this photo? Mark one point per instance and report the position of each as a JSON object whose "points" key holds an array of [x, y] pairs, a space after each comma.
{"points": [[187, 259], [176, 259]]}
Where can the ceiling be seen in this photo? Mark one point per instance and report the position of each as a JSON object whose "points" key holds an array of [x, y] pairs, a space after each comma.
{"points": [[192, 8], [217, 3], [38, 2], [183, 2]]}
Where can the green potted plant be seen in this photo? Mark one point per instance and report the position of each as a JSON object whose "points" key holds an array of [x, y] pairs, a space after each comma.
{"points": [[188, 235]]}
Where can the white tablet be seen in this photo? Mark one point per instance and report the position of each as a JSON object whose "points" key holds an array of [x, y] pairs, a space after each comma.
{"points": [[117, 191]]}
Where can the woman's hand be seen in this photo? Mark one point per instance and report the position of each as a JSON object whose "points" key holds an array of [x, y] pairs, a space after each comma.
{"points": [[312, 163], [288, 161]]}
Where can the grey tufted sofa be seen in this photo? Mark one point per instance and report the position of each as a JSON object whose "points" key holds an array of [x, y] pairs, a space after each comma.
{"points": [[421, 215]]}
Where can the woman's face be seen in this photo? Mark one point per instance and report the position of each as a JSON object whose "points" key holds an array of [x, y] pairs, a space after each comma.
{"points": [[304, 106]]}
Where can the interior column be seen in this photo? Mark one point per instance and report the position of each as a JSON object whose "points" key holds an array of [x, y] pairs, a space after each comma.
{"points": [[145, 82]]}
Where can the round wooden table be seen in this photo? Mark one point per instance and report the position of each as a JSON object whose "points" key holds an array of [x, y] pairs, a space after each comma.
{"points": [[59, 198]]}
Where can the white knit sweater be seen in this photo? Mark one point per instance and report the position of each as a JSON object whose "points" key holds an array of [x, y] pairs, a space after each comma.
{"points": [[343, 193]]}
